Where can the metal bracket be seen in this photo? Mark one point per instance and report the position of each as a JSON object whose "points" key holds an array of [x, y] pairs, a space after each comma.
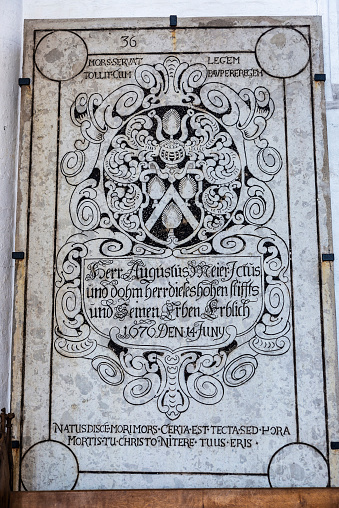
{"points": [[173, 20], [327, 257], [15, 444], [334, 445], [319, 77], [18, 255], [24, 81]]}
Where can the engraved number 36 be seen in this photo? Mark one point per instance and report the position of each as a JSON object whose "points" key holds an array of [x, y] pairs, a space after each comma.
{"points": [[128, 41]]}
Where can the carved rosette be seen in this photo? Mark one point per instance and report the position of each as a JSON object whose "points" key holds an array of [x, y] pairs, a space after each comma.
{"points": [[171, 178]]}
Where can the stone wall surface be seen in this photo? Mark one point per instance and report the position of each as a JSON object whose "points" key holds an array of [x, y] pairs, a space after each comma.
{"points": [[11, 43], [174, 320]]}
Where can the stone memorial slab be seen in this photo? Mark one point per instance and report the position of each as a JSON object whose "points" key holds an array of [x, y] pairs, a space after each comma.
{"points": [[174, 320]]}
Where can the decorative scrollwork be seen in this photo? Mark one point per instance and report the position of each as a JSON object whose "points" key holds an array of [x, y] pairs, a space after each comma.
{"points": [[259, 207], [173, 379], [240, 370], [108, 369], [272, 347], [269, 161], [154, 147], [72, 163], [172, 166]]}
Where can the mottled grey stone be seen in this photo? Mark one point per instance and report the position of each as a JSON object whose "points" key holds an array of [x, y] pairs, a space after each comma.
{"points": [[173, 317]]}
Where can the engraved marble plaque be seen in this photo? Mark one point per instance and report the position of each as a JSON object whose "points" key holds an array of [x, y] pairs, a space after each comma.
{"points": [[174, 318]]}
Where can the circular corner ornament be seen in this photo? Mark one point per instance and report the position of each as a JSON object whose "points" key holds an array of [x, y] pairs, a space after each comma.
{"points": [[298, 465], [49, 465], [282, 52], [60, 56]]}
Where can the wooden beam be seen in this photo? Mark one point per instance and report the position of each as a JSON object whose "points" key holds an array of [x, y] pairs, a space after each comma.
{"points": [[6, 459], [4, 474], [185, 498]]}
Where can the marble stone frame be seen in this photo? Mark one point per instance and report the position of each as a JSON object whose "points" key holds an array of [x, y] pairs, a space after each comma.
{"points": [[41, 232]]}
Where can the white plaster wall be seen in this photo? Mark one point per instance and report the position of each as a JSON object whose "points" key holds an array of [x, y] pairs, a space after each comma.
{"points": [[134, 8], [10, 63]]}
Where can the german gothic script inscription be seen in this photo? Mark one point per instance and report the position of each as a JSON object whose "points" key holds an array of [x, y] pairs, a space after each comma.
{"points": [[172, 306]]}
